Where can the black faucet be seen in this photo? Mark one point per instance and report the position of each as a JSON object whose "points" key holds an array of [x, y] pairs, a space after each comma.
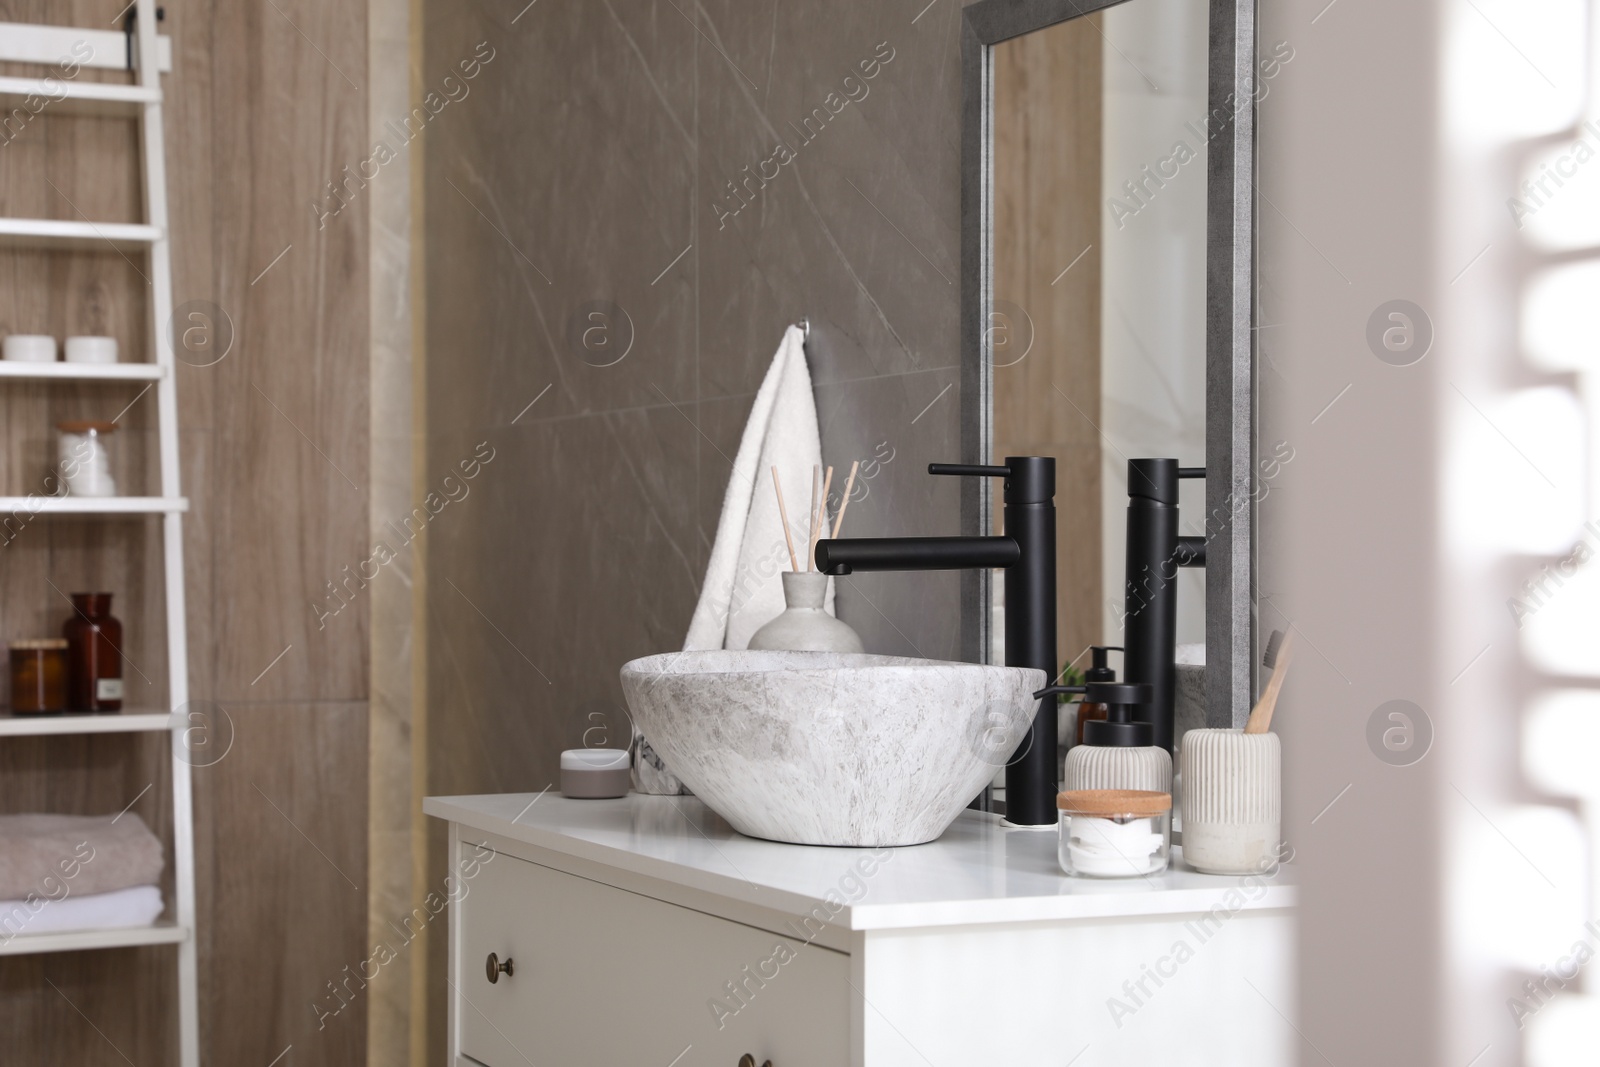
{"points": [[1027, 552], [1150, 606]]}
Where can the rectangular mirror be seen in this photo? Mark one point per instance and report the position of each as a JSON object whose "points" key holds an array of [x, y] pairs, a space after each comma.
{"points": [[1107, 298]]}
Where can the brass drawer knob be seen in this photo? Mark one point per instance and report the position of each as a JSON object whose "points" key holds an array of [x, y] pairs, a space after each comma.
{"points": [[493, 968], [748, 1060]]}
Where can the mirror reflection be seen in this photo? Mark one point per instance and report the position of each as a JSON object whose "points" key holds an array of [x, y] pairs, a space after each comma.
{"points": [[1098, 323]]}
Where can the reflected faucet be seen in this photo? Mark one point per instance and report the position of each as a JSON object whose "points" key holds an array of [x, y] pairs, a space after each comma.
{"points": [[1150, 605], [1027, 552]]}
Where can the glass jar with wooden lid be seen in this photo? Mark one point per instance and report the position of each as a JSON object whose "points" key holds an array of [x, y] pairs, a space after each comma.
{"points": [[1114, 833], [83, 451]]}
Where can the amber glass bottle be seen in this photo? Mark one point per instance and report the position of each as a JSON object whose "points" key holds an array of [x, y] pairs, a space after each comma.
{"points": [[94, 656]]}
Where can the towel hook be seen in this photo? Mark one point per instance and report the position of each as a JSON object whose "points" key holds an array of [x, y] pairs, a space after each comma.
{"points": [[805, 326]]}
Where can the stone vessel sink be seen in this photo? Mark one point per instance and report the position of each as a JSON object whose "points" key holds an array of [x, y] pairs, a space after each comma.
{"points": [[825, 748]]}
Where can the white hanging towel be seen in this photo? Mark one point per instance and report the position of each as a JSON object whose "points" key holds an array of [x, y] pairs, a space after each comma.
{"points": [[742, 590]]}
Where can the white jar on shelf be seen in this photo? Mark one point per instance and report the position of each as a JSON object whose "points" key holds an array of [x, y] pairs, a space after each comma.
{"points": [[85, 459], [29, 348], [91, 349]]}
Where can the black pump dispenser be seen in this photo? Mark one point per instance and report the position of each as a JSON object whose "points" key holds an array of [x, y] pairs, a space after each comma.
{"points": [[1119, 729], [1100, 671]]}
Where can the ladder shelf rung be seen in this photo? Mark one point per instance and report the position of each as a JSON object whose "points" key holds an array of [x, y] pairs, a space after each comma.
{"points": [[92, 505], [66, 233], [83, 372], [162, 933], [126, 722], [48, 95], [22, 42]]}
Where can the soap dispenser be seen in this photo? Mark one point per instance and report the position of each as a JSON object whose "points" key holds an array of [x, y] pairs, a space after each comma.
{"points": [[1099, 671], [1118, 752]]}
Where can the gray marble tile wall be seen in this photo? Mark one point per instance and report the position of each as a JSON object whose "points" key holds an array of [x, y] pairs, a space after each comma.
{"points": [[621, 159]]}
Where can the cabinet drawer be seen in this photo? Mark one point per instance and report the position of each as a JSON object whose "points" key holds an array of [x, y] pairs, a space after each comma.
{"points": [[606, 977]]}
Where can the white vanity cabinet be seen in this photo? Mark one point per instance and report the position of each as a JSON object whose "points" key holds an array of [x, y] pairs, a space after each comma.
{"points": [[644, 932], [606, 976]]}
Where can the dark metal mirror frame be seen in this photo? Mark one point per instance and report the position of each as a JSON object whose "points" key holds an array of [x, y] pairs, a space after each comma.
{"points": [[1230, 291]]}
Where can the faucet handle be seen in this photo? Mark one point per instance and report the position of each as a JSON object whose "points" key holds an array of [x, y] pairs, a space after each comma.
{"points": [[973, 470], [1029, 479]]}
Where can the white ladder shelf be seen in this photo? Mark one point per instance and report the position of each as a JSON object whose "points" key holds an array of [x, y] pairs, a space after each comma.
{"points": [[151, 55]]}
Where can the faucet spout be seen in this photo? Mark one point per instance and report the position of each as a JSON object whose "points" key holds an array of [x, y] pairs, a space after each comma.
{"points": [[916, 554]]}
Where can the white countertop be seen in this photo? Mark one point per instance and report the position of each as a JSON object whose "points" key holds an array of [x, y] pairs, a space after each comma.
{"points": [[978, 872]]}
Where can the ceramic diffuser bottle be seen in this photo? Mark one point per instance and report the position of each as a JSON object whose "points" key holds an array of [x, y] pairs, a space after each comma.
{"points": [[805, 625]]}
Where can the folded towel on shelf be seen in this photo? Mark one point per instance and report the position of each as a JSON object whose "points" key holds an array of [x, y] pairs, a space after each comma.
{"points": [[120, 909], [53, 856]]}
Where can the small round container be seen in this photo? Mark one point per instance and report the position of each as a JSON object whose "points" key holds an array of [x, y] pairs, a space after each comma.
{"points": [[88, 349], [29, 348], [1114, 833], [38, 676], [85, 458], [595, 773]]}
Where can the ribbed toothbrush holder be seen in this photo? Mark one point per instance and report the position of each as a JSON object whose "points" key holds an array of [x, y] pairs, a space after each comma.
{"points": [[1232, 801]]}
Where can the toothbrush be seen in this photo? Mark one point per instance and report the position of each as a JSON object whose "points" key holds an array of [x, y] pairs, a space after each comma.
{"points": [[1280, 647]]}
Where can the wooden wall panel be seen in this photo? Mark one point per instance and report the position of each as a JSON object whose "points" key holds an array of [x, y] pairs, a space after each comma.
{"points": [[265, 105], [284, 826], [1047, 132]]}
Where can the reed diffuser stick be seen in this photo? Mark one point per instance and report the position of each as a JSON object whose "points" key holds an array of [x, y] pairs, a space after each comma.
{"points": [[811, 518], [783, 513], [819, 524], [849, 485]]}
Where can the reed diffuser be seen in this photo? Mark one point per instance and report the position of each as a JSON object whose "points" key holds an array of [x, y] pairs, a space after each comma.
{"points": [[805, 625]]}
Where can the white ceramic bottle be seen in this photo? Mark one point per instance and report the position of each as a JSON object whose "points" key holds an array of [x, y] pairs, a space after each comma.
{"points": [[805, 626]]}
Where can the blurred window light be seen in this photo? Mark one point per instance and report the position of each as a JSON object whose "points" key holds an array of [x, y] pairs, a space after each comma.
{"points": [[1521, 880], [1556, 205], [1515, 68], [1560, 621], [1516, 466], [1560, 737], [1564, 1033], [1558, 322], [1562, 631]]}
